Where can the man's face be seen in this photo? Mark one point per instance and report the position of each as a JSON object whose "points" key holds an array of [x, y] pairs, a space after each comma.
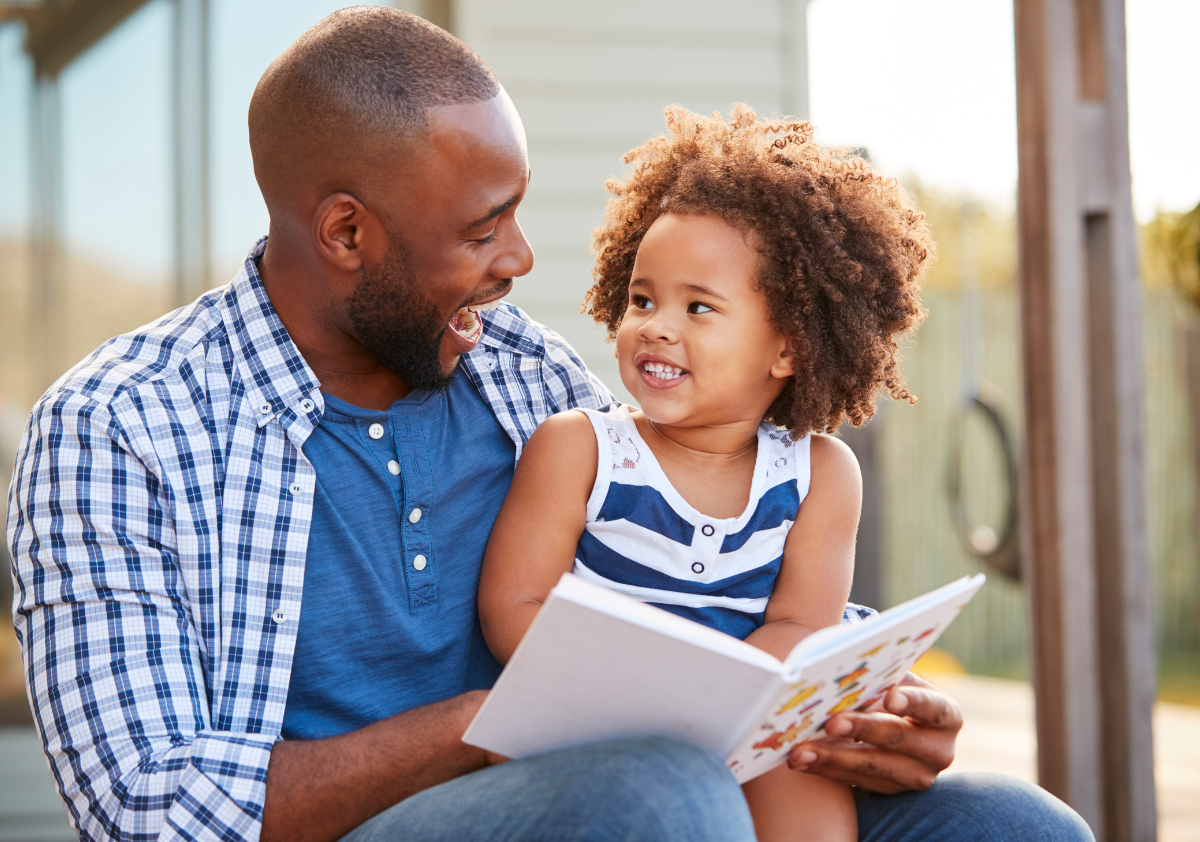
{"points": [[454, 243]]}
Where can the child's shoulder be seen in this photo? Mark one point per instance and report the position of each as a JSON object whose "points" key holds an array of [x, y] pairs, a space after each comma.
{"points": [[833, 463], [567, 437]]}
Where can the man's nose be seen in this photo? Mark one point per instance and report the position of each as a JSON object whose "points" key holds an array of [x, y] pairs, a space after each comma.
{"points": [[517, 259]]}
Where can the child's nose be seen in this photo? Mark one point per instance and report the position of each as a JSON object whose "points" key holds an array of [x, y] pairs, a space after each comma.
{"points": [[659, 328]]}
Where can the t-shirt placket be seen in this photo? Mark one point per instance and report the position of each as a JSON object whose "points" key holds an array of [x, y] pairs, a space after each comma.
{"points": [[414, 502]]}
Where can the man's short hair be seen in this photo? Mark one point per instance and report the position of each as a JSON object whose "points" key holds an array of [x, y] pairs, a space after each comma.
{"points": [[361, 73]]}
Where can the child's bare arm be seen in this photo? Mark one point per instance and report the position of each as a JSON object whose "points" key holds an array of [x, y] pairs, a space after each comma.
{"points": [[534, 539], [818, 557]]}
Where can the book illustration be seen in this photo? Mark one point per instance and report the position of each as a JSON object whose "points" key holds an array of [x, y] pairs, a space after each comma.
{"points": [[845, 682], [902, 641], [803, 694], [871, 652], [924, 634], [851, 687], [846, 702], [808, 707], [779, 739], [876, 699]]}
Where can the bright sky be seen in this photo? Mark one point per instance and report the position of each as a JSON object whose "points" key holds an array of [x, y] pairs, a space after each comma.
{"points": [[927, 86]]}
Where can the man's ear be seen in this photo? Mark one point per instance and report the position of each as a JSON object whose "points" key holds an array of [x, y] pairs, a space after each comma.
{"points": [[784, 365], [344, 232]]}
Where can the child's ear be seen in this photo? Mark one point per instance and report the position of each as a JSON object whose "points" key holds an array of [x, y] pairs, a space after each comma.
{"points": [[784, 365]]}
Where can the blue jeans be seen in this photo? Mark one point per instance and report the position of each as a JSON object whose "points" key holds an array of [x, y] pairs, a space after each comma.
{"points": [[975, 806], [663, 790]]}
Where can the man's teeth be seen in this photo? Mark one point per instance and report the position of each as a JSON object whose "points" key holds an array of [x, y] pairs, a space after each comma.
{"points": [[466, 321], [663, 371]]}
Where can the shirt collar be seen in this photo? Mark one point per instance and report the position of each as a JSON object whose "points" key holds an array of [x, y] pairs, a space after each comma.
{"points": [[507, 328], [276, 374]]}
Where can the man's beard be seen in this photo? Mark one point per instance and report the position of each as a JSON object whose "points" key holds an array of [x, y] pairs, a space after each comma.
{"points": [[397, 324]]}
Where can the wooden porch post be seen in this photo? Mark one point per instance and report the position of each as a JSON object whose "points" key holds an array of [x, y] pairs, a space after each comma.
{"points": [[1085, 533]]}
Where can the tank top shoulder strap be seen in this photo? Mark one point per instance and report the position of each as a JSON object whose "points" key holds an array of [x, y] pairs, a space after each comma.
{"points": [[619, 451], [786, 459]]}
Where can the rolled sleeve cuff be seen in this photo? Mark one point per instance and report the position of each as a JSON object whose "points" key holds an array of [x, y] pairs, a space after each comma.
{"points": [[219, 786]]}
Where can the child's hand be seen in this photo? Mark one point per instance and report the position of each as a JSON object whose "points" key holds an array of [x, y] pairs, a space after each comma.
{"points": [[902, 749]]}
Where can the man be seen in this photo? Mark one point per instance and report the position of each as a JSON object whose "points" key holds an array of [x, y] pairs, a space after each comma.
{"points": [[247, 537]]}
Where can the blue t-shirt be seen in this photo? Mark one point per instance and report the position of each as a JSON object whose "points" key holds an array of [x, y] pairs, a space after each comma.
{"points": [[405, 501]]}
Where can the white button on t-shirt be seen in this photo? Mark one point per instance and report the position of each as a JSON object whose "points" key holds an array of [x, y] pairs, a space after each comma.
{"points": [[394, 468], [414, 515], [375, 431], [419, 563]]}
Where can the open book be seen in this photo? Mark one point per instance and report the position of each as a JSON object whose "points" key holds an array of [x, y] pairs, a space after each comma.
{"points": [[597, 665]]}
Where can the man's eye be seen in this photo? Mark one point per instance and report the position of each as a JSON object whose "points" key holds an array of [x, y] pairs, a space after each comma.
{"points": [[488, 239], [642, 302], [696, 308]]}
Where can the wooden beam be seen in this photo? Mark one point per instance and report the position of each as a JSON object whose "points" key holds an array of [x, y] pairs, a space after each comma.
{"points": [[58, 33], [1085, 541]]}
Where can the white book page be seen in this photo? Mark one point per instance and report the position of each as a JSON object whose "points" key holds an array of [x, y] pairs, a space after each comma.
{"points": [[851, 668], [600, 666]]}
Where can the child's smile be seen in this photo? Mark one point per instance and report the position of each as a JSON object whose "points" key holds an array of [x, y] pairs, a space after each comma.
{"points": [[659, 373], [696, 346]]}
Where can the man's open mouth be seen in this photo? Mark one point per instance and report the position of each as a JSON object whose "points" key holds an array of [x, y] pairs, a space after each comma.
{"points": [[467, 323]]}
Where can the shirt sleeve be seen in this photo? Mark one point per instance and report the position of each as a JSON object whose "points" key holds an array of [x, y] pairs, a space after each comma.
{"points": [[113, 662]]}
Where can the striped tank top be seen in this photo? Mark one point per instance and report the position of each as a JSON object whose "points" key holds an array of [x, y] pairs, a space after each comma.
{"points": [[644, 540]]}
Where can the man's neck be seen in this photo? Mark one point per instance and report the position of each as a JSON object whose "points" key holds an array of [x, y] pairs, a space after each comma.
{"points": [[305, 306]]}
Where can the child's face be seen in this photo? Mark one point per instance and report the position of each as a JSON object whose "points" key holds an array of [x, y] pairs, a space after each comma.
{"points": [[696, 345]]}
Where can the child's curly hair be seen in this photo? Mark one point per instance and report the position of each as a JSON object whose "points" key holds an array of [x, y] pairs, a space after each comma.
{"points": [[844, 251]]}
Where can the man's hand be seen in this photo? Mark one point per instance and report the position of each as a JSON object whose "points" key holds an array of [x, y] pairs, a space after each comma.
{"points": [[902, 749]]}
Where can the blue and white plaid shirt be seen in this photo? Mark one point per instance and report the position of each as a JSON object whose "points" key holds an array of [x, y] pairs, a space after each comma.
{"points": [[159, 519]]}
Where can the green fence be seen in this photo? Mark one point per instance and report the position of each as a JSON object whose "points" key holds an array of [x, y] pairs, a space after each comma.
{"points": [[921, 549]]}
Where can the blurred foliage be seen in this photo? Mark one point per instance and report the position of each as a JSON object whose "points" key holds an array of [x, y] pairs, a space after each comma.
{"points": [[996, 233], [1169, 248]]}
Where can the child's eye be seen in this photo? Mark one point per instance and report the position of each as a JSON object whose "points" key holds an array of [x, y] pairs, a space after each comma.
{"points": [[696, 308], [641, 302]]}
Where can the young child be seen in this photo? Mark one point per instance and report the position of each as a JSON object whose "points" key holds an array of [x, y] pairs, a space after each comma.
{"points": [[750, 279]]}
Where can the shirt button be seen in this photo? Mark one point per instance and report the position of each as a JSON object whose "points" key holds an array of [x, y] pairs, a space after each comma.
{"points": [[375, 431], [265, 408], [414, 515], [394, 469], [697, 567], [296, 488], [707, 530], [306, 406], [279, 616], [419, 562]]}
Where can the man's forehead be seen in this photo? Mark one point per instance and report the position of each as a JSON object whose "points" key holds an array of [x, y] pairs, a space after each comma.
{"points": [[492, 123]]}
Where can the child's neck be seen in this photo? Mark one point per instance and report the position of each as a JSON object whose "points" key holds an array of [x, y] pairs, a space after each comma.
{"points": [[711, 467], [718, 443]]}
